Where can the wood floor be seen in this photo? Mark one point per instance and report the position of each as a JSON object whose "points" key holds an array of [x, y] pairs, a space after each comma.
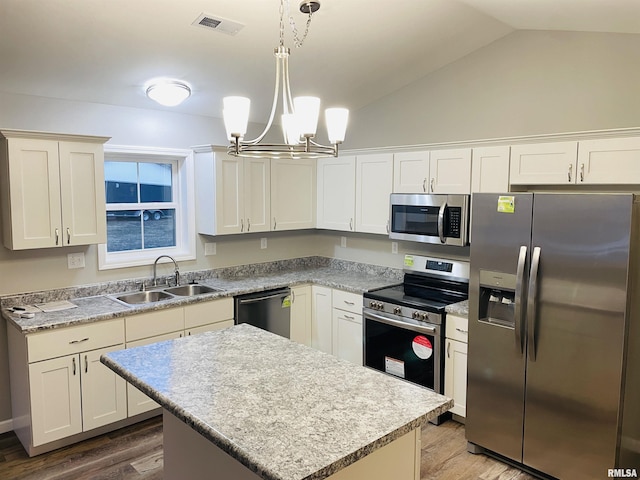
{"points": [[135, 453]]}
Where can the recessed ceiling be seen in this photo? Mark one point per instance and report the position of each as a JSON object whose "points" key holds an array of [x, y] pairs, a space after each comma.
{"points": [[357, 51]]}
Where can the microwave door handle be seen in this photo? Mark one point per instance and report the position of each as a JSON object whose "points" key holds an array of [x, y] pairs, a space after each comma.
{"points": [[443, 207], [531, 304], [519, 310]]}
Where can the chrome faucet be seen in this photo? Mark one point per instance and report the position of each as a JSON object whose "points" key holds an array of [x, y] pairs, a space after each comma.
{"points": [[175, 264]]}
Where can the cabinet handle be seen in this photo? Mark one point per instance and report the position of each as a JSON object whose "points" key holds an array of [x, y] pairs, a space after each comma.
{"points": [[241, 225], [582, 172], [86, 364], [293, 296], [349, 303], [351, 224], [461, 330], [424, 184], [274, 223], [248, 224], [570, 172], [73, 360], [68, 236], [448, 349], [78, 341], [387, 226], [432, 182], [57, 236], [349, 317]]}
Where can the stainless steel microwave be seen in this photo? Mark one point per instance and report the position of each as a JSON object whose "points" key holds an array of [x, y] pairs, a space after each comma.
{"points": [[441, 219]]}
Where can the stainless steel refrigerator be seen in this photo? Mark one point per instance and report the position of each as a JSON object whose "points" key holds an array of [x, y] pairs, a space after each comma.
{"points": [[554, 332]]}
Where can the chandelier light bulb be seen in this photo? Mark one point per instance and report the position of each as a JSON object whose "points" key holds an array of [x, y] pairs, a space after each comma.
{"points": [[336, 119], [236, 116], [307, 112]]}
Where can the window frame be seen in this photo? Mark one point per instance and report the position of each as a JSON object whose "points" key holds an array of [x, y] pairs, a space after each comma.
{"points": [[183, 184]]}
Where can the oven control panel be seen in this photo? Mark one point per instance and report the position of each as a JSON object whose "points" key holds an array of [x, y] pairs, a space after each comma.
{"points": [[401, 311]]}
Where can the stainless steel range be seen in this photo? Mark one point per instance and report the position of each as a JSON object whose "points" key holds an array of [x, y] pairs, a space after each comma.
{"points": [[404, 324]]}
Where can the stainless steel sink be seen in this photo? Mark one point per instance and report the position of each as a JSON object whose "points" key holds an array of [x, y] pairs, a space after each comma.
{"points": [[143, 297], [190, 290]]}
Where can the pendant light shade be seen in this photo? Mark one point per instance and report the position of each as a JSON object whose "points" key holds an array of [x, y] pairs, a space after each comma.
{"points": [[307, 110], [336, 119], [236, 116]]}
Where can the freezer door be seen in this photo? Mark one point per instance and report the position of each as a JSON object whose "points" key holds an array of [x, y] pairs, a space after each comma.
{"points": [[576, 333], [496, 360]]}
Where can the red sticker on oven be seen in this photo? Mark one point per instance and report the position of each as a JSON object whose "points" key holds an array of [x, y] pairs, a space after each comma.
{"points": [[422, 347]]}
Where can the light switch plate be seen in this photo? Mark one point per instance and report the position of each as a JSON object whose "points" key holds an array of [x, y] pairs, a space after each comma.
{"points": [[343, 242], [210, 248], [394, 247], [75, 260], [263, 243]]}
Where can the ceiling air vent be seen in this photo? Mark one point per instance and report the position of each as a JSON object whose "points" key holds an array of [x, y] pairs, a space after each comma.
{"points": [[218, 24]]}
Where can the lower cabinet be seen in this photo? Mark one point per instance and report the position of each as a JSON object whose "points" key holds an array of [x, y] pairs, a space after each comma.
{"points": [[321, 329], [301, 314], [455, 366]]}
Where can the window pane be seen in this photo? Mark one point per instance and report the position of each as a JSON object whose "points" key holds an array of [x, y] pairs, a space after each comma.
{"points": [[155, 182], [160, 229], [124, 230], [121, 182]]}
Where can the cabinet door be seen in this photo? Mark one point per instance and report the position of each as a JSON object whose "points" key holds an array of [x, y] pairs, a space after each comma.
{"points": [[543, 164], [84, 220], [301, 314], [321, 329], [32, 214], [229, 194], [104, 394], [490, 169], [609, 161], [347, 336], [293, 194], [205, 313], [337, 193], [138, 402], [374, 182], [211, 327], [450, 171], [257, 186], [455, 375], [55, 399], [410, 172]]}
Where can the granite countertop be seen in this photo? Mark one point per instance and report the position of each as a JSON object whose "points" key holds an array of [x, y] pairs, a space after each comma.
{"points": [[295, 414], [100, 305], [461, 308]]}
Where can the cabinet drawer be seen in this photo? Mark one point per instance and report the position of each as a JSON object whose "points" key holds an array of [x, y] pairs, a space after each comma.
{"points": [[351, 302], [457, 328], [205, 313], [67, 341], [154, 323]]}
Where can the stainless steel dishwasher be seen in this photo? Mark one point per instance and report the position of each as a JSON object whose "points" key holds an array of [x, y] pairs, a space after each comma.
{"points": [[269, 310]]}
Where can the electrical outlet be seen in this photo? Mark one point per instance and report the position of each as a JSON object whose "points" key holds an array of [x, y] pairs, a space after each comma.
{"points": [[210, 248], [75, 260], [394, 247], [263, 243], [343, 242]]}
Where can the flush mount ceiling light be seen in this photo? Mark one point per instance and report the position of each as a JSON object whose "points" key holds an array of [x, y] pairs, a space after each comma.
{"points": [[299, 115], [168, 92]]}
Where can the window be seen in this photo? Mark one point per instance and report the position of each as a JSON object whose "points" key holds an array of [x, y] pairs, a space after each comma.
{"points": [[150, 206]]}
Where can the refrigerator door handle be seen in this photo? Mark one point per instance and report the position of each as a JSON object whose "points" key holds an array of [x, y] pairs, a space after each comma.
{"points": [[443, 208], [519, 310], [531, 304]]}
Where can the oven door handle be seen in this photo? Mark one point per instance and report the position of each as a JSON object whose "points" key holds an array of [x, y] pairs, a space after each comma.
{"points": [[397, 323], [443, 207]]}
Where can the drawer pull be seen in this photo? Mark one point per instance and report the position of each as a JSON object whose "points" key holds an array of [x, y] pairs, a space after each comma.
{"points": [[349, 317], [78, 341], [86, 364], [461, 330], [349, 303], [73, 360]]}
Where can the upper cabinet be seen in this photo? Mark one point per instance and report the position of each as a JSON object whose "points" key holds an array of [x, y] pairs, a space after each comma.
{"points": [[232, 192], [337, 193], [374, 182], [293, 194], [490, 169], [609, 161], [53, 191], [411, 172], [543, 164], [450, 171]]}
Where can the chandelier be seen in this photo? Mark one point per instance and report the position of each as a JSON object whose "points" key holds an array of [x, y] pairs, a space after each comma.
{"points": [[299, 115]]}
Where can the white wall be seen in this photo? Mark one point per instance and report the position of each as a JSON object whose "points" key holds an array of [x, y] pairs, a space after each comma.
{"points": [[525, 83]]}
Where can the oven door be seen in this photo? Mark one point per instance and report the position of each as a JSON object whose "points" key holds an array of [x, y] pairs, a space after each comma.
{"points": [[406, 350]]}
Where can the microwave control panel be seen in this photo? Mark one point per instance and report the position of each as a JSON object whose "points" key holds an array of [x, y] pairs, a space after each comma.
{"points": [[455, 219]]}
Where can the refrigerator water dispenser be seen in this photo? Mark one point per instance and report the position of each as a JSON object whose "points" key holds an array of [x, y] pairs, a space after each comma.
{"points": [[497, 298]]}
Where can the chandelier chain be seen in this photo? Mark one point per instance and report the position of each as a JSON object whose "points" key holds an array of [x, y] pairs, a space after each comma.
{"points": [[298, 41]]}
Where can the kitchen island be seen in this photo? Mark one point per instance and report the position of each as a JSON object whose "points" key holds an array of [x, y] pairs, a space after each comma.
{"points": [[243, 403]]}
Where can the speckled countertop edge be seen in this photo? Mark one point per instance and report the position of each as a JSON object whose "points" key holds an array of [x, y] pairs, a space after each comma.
{"points": [[97, 303], [180, 384]]}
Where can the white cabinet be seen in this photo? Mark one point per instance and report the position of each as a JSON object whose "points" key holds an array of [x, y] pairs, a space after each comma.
{"points": [[301, 314], [411, 172], [233, 193], [337, 193], [321, 328], [450, 171], [53, 191], [455, 366], [293, 194], [543, 164], [490, 169], [374, 182], [347, 326], [59, 387], [609, 161], [208, 316]]}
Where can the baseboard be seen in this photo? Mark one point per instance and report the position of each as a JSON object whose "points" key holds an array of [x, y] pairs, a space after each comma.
{"points": [[6, 426]]}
